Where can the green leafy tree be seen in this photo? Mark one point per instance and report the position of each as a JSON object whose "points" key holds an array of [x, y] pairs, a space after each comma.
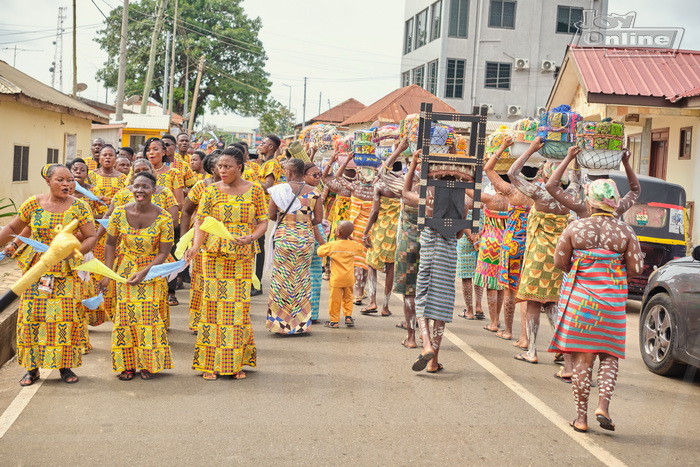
{"points": [[234, 78], [277, 119]]}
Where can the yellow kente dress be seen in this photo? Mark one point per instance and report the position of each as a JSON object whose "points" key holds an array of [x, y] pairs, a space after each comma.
{"points": [[225, 335], [189, 178], [195, 195], [51, 330], [139, 336], [172, 179], [109, 186], [164, 199]]}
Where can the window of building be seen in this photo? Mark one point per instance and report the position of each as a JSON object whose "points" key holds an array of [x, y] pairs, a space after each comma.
{"points": [[567, 17], [418, 76], [432, 77], [502, 14], [408, 36], [405, 78], [435, 20], [52, 156], [20, 168], [497, 75], [686, 143], [454, 79], [459, 16], [422, 28]]}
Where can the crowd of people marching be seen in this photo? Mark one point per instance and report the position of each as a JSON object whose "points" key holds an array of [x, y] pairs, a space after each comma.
{"points": [[547, 241]]}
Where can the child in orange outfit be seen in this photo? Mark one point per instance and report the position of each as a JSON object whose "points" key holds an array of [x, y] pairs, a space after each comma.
{"points": [[342, 254]]}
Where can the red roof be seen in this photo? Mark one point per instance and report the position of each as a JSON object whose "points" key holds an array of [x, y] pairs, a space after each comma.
{"points": [[671, 74], [340, 112], [394, 107]]}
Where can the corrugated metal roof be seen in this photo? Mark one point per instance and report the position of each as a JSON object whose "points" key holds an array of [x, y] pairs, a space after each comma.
{"points": [[638, 72], [14, 81], [147, 122], [340, 112], [394, 107]]}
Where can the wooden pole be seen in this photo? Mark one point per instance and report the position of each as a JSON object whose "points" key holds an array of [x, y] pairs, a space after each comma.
{"points": [[75, 52], [200, 68], [121, 77], [172, 62], [152, 56]]}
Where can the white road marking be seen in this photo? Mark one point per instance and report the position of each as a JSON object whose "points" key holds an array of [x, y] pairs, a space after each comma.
{"points": [[19, 403], [600, 453]]}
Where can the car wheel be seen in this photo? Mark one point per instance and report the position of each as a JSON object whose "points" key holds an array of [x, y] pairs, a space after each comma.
{"points": [[657, 335]]}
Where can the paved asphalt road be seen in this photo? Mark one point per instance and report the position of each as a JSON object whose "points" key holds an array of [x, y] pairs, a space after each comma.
{"points": [[348, 397]]}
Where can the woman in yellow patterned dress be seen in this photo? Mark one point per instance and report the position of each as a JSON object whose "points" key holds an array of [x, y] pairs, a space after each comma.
{"points": [[166, 175], [109, 181], [191, 203], [145, 234], [50, 324], [225, 335]]}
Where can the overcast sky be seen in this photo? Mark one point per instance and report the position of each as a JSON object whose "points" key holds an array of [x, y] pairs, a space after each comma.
{"points": [[345, 49]]}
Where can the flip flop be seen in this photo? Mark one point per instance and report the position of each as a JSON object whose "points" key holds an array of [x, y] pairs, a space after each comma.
{"points": [[605, 422], [520, 357], [499, 334], [407, 346], [490, 330], [368, 310], [479, 316], [401, 325], [558, 357], [577, 429], [422, 361], [563, 379], [439, 368], [515, 344], [463, 314], [389, 313]]}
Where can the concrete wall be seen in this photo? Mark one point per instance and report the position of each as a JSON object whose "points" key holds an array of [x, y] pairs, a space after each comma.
{"points": [[39, 129], [534, 38]]}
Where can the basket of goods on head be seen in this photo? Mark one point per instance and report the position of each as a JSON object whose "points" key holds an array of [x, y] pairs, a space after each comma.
{"points": [[384, 138], [558, 131], [320, 137], [442, 137], [343, 145], [600, 143], [494, 141], [524, 133], [363, 148]]}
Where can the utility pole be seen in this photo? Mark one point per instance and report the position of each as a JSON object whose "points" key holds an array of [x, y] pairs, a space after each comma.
{"points": [[200, 68], [172, 63], [75, 53], [121, 77], [320, 98], [152, 56], [303, 117], [166, 74], [187, 84], [57, 64]]}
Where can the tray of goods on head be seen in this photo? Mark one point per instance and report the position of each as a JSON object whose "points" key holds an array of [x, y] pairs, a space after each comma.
{"points": [[558, 131], [601, 144], [343, 145], [364, 150], [494, 141], [525, 132], [320, 137], [442, 136], [385, 138]]}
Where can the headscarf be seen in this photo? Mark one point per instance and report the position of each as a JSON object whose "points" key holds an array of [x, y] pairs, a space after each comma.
{"points": [[45, 171], [548, 169], [603, 194]]}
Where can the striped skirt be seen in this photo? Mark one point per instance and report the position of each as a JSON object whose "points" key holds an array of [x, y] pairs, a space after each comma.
{"points": [[435, 287], [407, 253], [316, 273], [466, 258], [592, 316], [487, 264], [511, 259], [359, 215]]}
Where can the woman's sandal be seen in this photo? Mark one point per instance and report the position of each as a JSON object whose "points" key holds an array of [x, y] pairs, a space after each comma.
{"points": [[145, 374], [331, 324], [208, 376], [126, 375], [349, 322], [68, 376], [172, 300], [29, 378], [239, 375]]}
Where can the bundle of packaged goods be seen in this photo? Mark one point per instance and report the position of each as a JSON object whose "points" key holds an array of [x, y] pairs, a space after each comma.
{"points": [[461, 144], [363, 147], [343, 145], [524, 133], [494, 141], [600, 143], [558, 131], [320, 136], [442, 137], [385, 137]]}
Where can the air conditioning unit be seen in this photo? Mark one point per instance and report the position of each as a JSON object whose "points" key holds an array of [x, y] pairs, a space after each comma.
{"points": [[514, 110], [522, 64], [539, 111], [489, 108], [548, 65]]}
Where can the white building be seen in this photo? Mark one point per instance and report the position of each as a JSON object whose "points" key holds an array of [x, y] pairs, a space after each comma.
{"points": [[499, 53]]}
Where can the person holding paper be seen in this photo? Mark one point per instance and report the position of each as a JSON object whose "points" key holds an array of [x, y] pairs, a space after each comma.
{"points": [[144, 233], [225, 339], [55, 339]]}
